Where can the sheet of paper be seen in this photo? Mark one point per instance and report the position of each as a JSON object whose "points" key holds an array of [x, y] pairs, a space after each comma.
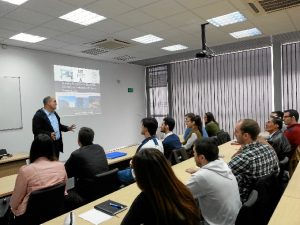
{"points": [[95, 216]]}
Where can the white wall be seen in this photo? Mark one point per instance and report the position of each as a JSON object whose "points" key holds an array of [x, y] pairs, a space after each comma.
{"points": [[119, 123]]}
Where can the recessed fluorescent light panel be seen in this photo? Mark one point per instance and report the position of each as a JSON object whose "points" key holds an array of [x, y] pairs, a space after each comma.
{"points": [[227, 19], [147, 39], [83, 17], [246, 33], [27, 38], [15, 2], [173, 48]]}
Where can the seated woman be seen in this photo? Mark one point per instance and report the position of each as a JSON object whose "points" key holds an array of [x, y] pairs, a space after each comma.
{"points": [[211, 125], [195, 123], [164, 199], [43, 171]]}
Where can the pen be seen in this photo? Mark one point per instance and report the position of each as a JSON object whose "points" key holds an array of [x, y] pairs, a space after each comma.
{"points": [[116, 206]]}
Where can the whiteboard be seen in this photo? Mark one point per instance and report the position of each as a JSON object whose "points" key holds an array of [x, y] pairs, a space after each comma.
{"points": [[10, 103]]}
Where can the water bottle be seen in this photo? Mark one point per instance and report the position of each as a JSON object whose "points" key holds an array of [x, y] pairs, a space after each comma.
{"points": [[70, 219]]}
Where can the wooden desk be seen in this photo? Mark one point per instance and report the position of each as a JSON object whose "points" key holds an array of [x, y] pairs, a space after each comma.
{"points": [[130, 153], [293, 188], [128, 194], [11, 165], [288, 208], [286, 212], [7, 185]]}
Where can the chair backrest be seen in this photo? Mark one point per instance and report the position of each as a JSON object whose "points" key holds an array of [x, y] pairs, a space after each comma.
{"points": [[44, 204], [179, 155], [102, 184], [223, 137], [246, 213]]}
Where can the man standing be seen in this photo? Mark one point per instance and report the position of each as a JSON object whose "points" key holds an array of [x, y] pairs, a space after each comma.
{"points": [[254, 159], [83, 164], [171, 140], [276, 139], [292, 133], [214, 186], [47, 121]]}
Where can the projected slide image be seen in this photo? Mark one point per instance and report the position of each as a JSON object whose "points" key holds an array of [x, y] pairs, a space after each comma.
{"points": [[77, 90], [78, 105]]}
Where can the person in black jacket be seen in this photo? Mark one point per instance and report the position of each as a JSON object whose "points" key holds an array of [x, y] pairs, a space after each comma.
{"points": [[47, 121], [277, 139], [84, 164]]}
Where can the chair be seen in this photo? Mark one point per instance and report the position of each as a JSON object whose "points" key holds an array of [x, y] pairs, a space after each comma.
{"points": [[179, 155], [43, 205], [283, 177], [268, 189], [246, 213], [223, 137], [102, 184]]}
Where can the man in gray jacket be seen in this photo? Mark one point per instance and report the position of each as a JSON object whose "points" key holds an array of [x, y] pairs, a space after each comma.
{"points": [[214, 185]]}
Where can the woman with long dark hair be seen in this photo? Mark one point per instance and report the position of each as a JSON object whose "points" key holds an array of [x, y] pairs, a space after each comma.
{"points": [[195, 123], [164, 199], [211, 125]]}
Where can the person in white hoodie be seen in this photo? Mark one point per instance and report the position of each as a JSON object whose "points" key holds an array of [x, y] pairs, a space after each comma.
{"points": [[214, 186]]}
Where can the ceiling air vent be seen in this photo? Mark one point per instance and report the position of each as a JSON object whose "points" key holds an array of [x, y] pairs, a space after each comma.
{"points": [[110, 44], [95, 51], [268, 6], [124, 58]]}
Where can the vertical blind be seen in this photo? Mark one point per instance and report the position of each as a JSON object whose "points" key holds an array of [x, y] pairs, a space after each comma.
{"points": [[231, 86], [291, 76], [157, 91]]}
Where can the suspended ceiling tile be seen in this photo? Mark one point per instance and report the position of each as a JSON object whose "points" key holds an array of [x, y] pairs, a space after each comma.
{"points": [[62, 25], [153, 27], [70, 39], [183, 18], [28, 16], [5, 8], [129, 34], [108, 26], [89, 34], [78, 3], [4, 33], [134, 18], [14, 25], [53, 43], [44, 32], [53, 8], [108, 8], [163, 9], [192, 4], [138, 3], [214, 10]]}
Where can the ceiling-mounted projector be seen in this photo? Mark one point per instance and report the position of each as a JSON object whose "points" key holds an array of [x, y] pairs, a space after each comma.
{"points": [[205, 52]]}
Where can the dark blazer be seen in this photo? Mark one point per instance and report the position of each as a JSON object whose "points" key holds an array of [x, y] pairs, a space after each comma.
{"points": [[85, 163], [41, 125], [171, 143]]}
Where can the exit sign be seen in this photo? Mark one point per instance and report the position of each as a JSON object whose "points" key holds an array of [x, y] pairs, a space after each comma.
{"points": [[130, 90]]}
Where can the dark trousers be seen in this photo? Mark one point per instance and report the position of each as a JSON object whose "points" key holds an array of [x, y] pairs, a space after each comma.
{"points": [[57, 148]]}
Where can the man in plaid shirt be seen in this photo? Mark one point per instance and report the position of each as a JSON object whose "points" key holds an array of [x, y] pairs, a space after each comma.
{"points": [[254, 159]]}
